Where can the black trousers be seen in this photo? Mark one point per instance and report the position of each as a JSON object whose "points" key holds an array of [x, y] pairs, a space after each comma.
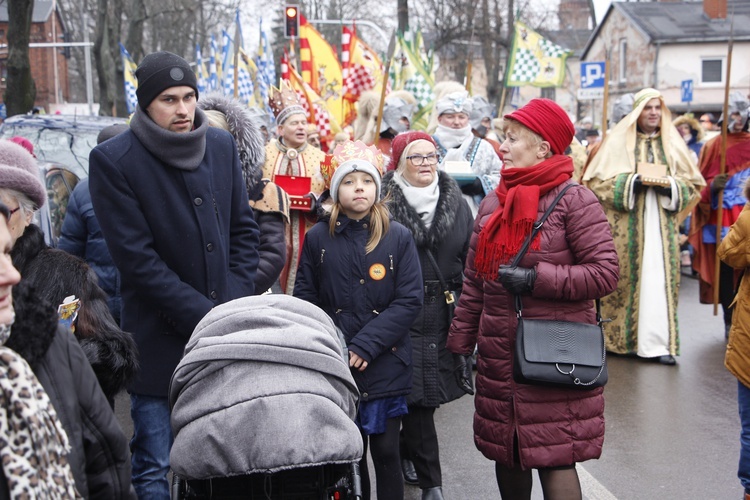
{"points": [[726, 291], [419, 442]]}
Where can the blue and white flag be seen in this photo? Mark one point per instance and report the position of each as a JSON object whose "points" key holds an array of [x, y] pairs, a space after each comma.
{"points": [[131, 82], [200, 70], [213, 67], [266, 75]]}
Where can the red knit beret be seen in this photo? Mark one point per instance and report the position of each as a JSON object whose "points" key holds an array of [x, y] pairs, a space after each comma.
{"points": [[549, 120], [402, 140]]}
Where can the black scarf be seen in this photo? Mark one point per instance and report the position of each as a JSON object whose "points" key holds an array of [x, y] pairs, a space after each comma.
{"points": [[183, 150]]}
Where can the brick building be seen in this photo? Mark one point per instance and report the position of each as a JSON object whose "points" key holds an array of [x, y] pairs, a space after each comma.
{"points": [[41, 58]]}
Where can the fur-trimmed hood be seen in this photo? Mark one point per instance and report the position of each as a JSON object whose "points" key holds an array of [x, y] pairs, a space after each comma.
{"points": [[695, 127], [248, 136], [403, 212]]}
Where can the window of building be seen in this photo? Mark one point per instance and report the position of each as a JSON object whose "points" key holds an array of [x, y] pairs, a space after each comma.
{"points": [[623, 68], [712, 71], [548, 93]]}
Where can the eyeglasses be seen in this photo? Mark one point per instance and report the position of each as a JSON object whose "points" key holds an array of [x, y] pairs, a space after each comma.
{"points": [[11, 212], [419, 160]]}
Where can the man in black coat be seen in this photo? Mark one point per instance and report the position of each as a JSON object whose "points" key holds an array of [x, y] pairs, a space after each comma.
{"points": [[174, 212]]}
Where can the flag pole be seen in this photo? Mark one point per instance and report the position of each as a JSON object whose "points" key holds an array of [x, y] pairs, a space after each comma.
{"points": [[605, 100], [512, 37], [391, 50], [237, 57], [722, 169]]}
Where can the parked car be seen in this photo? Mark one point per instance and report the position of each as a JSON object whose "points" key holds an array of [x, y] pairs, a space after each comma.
{"points": [[63, 139], [62, 144]]}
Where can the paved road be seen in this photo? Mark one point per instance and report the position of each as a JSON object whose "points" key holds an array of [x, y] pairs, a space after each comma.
{"points": [[672, 432]]}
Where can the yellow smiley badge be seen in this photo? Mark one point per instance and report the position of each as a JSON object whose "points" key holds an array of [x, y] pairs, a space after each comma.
{"points": [[377, 272]]}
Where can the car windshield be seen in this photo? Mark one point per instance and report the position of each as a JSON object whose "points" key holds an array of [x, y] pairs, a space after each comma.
{"points": [[71, 148]]}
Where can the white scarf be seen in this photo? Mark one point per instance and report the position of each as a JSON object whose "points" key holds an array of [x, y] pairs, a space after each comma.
{"points": [[423, 199], [452, 137]]}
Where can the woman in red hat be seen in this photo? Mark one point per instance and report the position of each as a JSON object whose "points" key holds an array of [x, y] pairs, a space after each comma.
{"points": [[429, 203], [572, 262]]}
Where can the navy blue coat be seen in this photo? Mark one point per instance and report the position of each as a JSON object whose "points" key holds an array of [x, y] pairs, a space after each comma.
{"points": [[81, 236], [373, 298], [184, 242]]}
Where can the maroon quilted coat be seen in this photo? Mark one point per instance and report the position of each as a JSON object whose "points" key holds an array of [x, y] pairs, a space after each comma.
{"points": [[576, 263]]}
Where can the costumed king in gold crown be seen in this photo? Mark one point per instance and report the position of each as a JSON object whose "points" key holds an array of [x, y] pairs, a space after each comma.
{"points": [[291, 155]]}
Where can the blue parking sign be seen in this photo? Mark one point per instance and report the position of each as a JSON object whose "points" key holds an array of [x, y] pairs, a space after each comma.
{"points": [[686, 90], [592, 75]]}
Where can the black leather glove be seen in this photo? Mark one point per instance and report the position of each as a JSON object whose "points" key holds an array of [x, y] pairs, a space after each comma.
{"points": [[664, 191], [462, 372], [473, 189], [719, 183], [638, 186], [517, 280]]}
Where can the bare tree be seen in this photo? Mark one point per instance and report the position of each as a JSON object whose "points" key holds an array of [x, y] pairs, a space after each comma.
{"points": [[20, 91]]}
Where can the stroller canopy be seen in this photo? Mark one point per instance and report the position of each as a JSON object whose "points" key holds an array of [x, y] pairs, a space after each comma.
{"points": [[262, 387]]}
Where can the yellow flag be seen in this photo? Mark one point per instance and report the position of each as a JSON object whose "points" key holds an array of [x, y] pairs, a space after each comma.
{"points": [[534, 60], [320, 69]]}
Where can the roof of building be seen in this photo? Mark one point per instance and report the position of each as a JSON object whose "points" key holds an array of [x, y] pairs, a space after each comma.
{"points": [[573, 39], [681, 22], [42, 11]]}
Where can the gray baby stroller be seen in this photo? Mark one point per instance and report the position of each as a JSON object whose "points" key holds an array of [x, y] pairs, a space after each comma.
{"points": [[263, 406]]}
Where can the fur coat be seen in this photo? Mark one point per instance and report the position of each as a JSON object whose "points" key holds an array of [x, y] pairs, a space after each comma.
{"points": [[99, 457], [270, 203], [56, 274], [448, 239]]}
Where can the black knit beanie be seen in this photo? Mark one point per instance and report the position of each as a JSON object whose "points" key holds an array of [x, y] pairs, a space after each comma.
{"points": [[159, 71]]}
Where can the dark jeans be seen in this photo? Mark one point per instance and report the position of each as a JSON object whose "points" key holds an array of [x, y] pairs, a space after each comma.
{"points": [[150, 446], [743, 400]]}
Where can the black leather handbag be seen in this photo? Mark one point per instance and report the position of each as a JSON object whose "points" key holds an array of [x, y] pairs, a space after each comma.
{"points": [[558, 353]]}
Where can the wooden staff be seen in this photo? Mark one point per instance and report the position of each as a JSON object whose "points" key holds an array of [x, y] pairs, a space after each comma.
{"points": [[605, 100], [722, 170], [236, 61], [391, 50]]}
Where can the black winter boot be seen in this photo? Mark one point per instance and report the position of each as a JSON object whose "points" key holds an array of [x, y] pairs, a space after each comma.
{"points": [[410, 475], [435, 493]]}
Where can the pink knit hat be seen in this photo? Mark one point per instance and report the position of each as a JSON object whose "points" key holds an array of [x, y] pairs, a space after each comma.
{"points": [[19, 171]]}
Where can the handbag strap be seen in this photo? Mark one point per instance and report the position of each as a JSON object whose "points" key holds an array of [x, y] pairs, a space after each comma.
{"points": [[527, 243], [449, 297], [537, 227]]}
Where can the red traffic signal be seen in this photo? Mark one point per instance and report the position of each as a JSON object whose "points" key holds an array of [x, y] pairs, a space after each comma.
{"points": [[291, 21]]}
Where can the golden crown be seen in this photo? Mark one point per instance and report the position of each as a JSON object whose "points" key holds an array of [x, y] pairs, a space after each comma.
{"points": [[351, 150], [284, 101]]}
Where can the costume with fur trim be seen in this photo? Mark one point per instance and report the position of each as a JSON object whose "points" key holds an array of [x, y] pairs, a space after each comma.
{"points": [[448, 240]]}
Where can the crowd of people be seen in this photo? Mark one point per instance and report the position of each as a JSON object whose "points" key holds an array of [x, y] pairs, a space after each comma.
{"points": [[403, 238]]}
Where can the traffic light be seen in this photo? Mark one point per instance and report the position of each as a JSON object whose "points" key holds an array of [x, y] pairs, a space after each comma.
{"points": [[291, 21]]}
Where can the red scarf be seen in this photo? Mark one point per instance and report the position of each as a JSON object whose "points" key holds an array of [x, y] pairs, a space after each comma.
{"points": [[518, 193]]}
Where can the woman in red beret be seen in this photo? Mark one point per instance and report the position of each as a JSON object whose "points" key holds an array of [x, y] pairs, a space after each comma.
{"points": [[429, 203], [572, 262]]}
